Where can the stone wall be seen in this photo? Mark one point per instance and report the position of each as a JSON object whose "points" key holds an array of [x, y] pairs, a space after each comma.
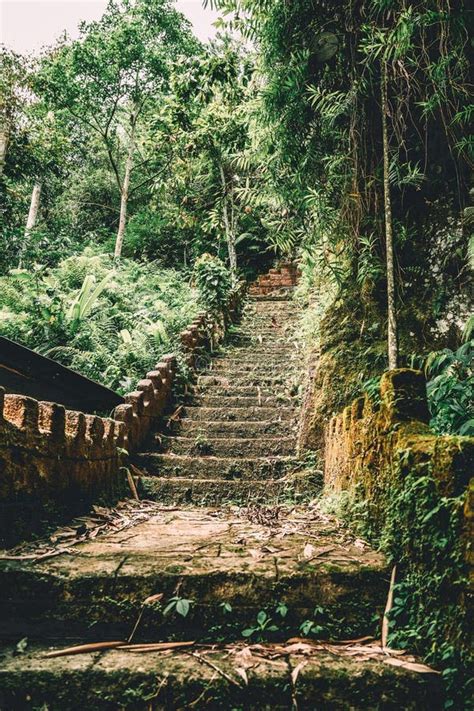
{"points": [[56, 462], [368, 445], [284, 277], [52, 458], [411, 491]]}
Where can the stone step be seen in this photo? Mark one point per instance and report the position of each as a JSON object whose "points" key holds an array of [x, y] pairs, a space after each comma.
{"points": [[212, 467], [256, 379], [272, 387], [249, 361], [228, 401], [240, 414], [261, 299], [262, 366], [189, 428], [216, 492], [126, 680], [219, 386], [206, 557], [204, 445], [252, 351], [255, 331]]}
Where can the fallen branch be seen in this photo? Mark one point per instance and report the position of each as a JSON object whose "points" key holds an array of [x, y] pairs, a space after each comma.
{"points": [[388, 607], [155, 646], [216, 668], [84, 649]]}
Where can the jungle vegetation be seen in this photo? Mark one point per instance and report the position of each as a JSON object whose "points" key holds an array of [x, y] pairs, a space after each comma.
{"points": [[142, 173], [334, 133]]}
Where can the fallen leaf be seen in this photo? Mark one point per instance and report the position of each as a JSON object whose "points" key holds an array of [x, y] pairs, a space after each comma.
{"points": [[295, 672], [388, 607], [153, 598], [411, 666], [243, 674]]}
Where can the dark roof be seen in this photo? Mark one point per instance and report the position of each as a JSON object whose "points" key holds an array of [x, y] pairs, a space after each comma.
{"points": [[25, 372]]}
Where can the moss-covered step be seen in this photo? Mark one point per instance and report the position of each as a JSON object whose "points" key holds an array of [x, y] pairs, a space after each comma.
{"points": [[267, 369], [209, 466], [263, 380], [252, 560], [239, 414], [214, 492], [205, 445], [260, 350], [215, 386], [250, 360], [230, 401], [199, 678], [190, 428]]}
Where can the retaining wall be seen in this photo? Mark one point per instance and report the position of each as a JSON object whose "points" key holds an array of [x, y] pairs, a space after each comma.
{"points": [[413, 491]]}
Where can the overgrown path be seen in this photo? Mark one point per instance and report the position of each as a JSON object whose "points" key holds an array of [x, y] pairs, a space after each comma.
{"points": [[223, 559], [236, 441]]}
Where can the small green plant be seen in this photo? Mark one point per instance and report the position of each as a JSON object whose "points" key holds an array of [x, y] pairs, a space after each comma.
{"points": [[177, 604], [202, 445], [214, 282], [264, 625], [312, 627]]}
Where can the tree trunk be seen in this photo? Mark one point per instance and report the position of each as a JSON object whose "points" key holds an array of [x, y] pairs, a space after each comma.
{"points": [[229, 233], [3, 145], [124, 194], [392, 316], [34, 207]]}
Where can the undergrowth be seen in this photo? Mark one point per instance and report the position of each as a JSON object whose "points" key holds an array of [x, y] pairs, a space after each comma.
{"points": [[109, 321], [421, 532]]}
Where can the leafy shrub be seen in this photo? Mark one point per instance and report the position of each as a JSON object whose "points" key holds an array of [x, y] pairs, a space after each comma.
{"points": [[214, 282], [110, 322], [451, 389]]}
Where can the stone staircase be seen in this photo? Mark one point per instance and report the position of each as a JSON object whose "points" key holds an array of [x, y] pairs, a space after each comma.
{"points": [[225, 554], [236, 440]]}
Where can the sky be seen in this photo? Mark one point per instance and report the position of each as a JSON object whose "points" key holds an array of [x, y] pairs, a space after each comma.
{"points": [[27, 25]]}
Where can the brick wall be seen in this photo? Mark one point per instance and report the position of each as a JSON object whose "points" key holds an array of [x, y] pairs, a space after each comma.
{"points": [[284, 277], [51, 459]]}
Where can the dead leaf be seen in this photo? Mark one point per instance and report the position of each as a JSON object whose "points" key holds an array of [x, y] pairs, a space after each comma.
{"points": [[295, 672], [131, 483], [309, 550], [411, 666], [153, 598], [243, 674]]}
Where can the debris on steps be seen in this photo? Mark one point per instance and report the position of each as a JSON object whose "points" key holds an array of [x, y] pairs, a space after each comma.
{"points": [[251, 559], [255, 677], [189, 565]]}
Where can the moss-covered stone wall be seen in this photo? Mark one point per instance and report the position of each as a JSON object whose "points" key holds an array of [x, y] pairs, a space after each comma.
{"points": [[411, 491]]}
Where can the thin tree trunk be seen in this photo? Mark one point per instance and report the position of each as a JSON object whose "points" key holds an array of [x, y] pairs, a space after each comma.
{"points": [[3, 145], [392, 316], [228, 228], [124, 194], [34, 207]]}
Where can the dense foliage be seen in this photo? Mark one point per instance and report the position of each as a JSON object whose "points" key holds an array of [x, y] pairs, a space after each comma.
{"points": [[110, 322], [332, 132]]}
